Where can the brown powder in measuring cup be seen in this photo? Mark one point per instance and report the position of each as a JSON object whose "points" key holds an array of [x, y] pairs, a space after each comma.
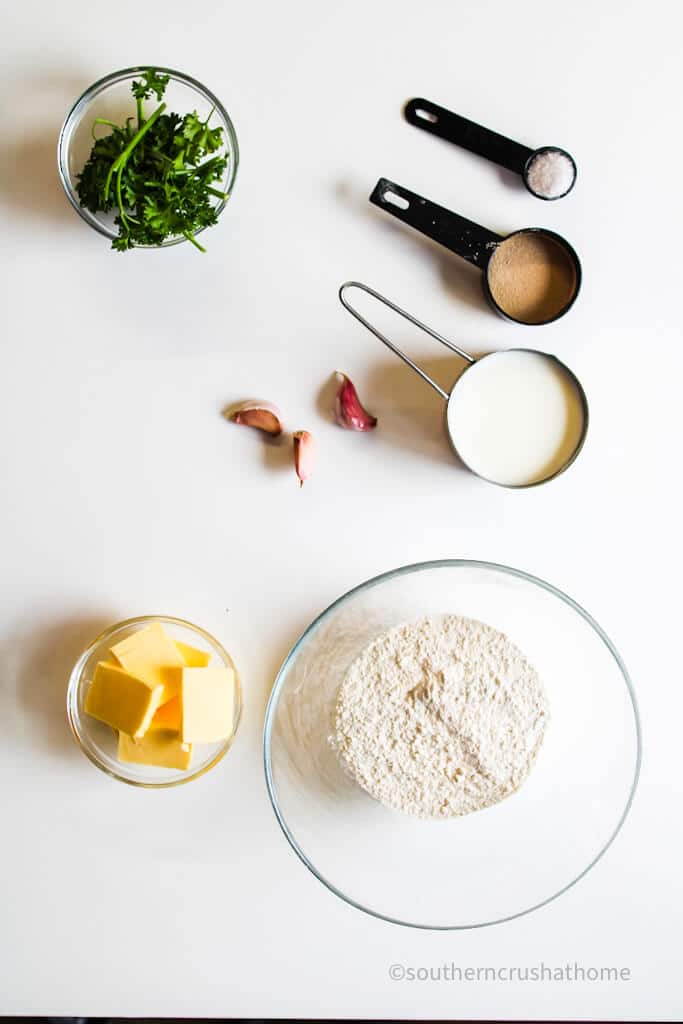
{"points": [[532, 277]]}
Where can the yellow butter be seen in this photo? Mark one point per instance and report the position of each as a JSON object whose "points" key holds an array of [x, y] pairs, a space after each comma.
{"points": [[167, 716], [121, 699], [192, 656], [152, 655], [207, 698], [159, 747]]}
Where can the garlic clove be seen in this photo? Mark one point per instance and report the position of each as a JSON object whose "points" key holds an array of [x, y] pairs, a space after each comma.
{"points": [[348, 410], [304, 454], [262, 415]]}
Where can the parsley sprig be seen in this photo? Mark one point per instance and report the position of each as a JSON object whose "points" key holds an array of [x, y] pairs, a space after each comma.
{"points": [[158, 172]]}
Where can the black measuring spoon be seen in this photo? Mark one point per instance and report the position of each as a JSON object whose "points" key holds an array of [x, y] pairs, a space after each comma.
{"points": [[534, 165], [516, 284]]}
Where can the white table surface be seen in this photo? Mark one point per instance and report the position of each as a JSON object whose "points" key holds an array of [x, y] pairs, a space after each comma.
{"points": [[125, 492]]}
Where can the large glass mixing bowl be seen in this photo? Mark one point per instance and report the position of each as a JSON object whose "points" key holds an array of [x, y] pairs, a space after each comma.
{"points": [[485, 867]]}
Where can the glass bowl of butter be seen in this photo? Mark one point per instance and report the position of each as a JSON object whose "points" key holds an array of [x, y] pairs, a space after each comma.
{"points": [[154, 701]]}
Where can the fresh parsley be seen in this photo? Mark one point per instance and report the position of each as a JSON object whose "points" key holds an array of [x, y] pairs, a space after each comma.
{"points": [[158, 172]]}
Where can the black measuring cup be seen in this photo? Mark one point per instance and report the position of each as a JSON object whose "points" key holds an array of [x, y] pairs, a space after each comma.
{"points": [[480, 245], [474, 137]]}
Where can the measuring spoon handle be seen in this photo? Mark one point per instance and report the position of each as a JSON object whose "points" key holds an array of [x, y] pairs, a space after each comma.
{"points": [[474, 137], [463, 237]]}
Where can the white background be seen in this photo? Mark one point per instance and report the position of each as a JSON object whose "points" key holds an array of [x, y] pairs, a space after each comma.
{"points": [[124, 491]]}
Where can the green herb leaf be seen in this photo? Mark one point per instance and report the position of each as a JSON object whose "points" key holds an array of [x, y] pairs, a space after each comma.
{"points": [[152, 82]]}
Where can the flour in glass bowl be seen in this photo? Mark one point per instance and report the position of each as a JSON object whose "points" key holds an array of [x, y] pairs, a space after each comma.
{"points": [[440, 717]]}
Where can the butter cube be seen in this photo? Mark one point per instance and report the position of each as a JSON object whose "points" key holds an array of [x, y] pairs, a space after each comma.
{"points": [[192, 656], [206, 704], [167, 716], [122, 700], [160, 748], [152, 655]]}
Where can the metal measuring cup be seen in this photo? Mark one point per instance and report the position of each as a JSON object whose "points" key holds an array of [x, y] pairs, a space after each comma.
{"points": [[471, 361], [471, 241], [474, 137]]}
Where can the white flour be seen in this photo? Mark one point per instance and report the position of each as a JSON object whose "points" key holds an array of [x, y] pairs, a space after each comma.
{"points": [[440, 717]]}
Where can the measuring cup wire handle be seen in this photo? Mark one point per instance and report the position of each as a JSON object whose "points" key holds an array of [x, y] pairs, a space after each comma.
{"points": [[407, 316], [430, 117], [464, 237]]}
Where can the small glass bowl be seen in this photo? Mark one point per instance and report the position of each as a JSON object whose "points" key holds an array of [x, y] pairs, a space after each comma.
{"points": [[99, 742], [111, 98]]}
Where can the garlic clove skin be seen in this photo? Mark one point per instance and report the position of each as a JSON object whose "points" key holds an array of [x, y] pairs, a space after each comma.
{"points": [[262, 415], [348, 409], [304, 454]]}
